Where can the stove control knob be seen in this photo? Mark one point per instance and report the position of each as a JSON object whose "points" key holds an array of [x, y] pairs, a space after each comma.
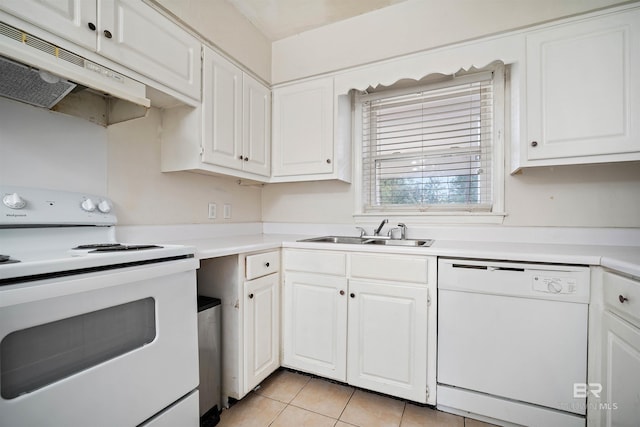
{"points": [[104, 206], [14, 201], [88, 205]]}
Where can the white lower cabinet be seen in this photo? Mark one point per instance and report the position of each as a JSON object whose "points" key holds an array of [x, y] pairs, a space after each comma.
{"points": [[315, 324], [621, 373], [388, 339], [249, 287], [376, 333], [261, 329], [617, 401]]}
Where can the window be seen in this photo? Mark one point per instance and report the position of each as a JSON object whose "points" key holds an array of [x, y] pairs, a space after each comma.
{"points": [[433, 148]]}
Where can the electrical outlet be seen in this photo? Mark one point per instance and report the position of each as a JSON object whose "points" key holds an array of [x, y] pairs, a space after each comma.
{"points": [[227, 211], [212, 211]]}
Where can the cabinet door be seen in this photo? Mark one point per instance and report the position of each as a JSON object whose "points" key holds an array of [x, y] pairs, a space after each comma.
{"points": [[315, 320], [69, 19], [261, 329], [256, 120], [583, 94], [222, 112], [138, 37], [303, 128], [621, 372], [388, 339]]}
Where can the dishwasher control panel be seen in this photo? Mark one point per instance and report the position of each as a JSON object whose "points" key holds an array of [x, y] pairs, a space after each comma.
{"points": [[554, 284]]}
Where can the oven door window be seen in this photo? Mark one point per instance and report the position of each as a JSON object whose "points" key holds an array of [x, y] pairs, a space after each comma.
{"points": [[35, 357]]}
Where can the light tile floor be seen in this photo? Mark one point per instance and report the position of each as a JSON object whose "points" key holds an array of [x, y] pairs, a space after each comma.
{"points": [[289, 399]]}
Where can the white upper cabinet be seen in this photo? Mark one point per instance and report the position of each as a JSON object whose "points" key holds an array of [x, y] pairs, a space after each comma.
{"points": [[222, 112], [582, 92], [256, 126], [230, 134], [307, 143], [133, 34], [128, 32], [73, 20], [236, 118]]}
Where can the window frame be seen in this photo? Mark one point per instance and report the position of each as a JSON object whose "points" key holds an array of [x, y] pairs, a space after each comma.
{"points": [[439, 214]]}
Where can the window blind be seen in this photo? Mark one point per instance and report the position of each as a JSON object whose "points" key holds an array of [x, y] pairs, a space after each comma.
{"points": [[429, 148]]}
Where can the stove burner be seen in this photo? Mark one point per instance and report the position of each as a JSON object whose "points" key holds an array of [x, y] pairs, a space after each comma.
{"points": [[118, 248], [6, 259]]}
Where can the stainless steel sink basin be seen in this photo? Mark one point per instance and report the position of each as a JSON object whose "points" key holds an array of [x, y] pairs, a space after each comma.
{"points": [[337, 239], [368, 240], [404, 242]]}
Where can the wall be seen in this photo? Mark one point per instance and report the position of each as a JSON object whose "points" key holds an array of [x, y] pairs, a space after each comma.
{"points": [[572, 196], [144, 195], [223, 26], [604, 195], [41, 148], [409, 27]]}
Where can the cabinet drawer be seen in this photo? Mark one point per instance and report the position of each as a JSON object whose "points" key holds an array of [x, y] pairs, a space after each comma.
{"points": [[395, 268], [334, 263], [616, 289], [262, 264]]}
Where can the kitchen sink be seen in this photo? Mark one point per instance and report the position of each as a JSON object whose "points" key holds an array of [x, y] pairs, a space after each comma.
{"points": [[397, 242], [338, 239], [367, 240]]}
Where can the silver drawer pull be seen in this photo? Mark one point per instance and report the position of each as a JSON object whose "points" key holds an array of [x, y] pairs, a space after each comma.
{"points": [[622, 299]]}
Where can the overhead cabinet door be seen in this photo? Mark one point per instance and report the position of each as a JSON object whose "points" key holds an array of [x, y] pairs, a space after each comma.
{"points": [[135, 35], [222, 112], [583, 94], [256, 122], [303, 128], [71, 19]]}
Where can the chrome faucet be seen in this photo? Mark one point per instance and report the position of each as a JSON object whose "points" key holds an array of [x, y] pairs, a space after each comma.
{"points": [[401, 228], [403, 231], [361, 230], [377, 230]]}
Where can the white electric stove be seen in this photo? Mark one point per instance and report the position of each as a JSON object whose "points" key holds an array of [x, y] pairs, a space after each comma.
{"points": [[92, 331]]}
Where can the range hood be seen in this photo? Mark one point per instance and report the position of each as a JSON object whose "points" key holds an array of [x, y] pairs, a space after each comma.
{"points": [[37, 72]]}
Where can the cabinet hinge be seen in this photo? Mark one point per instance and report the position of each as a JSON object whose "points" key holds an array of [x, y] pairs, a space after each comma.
{"points": [[428, 298], [201, 150], [427, 393]]}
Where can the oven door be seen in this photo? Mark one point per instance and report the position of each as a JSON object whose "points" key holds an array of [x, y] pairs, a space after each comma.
{"points": [[109, 348]]}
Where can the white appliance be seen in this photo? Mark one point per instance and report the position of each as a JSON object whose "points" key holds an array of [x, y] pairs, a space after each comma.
{"points": [[100, 337], [40, 73], [512, 341]]}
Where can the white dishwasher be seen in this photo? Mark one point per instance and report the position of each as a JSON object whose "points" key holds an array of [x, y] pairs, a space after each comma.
{"points": [[512, 341]]}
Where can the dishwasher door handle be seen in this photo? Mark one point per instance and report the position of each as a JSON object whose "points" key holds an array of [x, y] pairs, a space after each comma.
{"points": [[487, 267], [506, 269]]}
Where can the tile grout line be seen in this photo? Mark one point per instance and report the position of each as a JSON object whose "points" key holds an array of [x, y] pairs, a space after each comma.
{"points": [[278, 414], [286, 404], [353, 391], [314, 412]]}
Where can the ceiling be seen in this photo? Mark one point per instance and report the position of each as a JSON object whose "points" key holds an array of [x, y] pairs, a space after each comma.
{"points": [[278, 19]]}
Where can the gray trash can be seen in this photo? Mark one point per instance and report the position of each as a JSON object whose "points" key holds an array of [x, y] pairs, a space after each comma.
{"points": [[209, 353]]}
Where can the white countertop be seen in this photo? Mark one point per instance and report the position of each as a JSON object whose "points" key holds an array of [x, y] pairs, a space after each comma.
{"points": [[624, 259]]}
